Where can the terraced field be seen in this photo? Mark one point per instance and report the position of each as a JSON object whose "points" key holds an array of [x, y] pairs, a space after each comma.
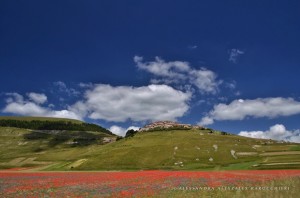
{"points": [[31, 148], [168, 150]]}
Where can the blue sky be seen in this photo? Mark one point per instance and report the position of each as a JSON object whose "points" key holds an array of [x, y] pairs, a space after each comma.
{"points": [[231, 65]]}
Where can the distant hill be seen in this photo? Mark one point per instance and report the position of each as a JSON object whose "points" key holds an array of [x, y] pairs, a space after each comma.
{"points": [[25, 141], [193, 149], [29, 148], [26, 118], [158, 148], [40, 123]]}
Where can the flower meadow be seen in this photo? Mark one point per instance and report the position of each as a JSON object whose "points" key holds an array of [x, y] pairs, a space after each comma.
{"points": [[19, 183]]}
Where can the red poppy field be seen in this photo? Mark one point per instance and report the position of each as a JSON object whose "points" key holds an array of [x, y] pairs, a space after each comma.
{"points": [[141, 183]]}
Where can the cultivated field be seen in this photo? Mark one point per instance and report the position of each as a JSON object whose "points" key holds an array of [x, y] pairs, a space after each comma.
{"points": [[164, 150], [258, 183]]}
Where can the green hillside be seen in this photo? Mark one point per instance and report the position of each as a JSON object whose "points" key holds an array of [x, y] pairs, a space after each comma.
{"points": [[24, 141], [39, 123], [31, 148], [63, 144], [195, 149], [24, 118]]}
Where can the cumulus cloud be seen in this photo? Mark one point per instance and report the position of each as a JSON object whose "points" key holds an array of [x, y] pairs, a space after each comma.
{"points": [[26, 108], [37, 97], [260, 107], [109, 103], [276, 132], [118, 104], [180, 72], [120, 130], [14, 97], [159, 67], [206, 121], [16, 104], [234, 54]]}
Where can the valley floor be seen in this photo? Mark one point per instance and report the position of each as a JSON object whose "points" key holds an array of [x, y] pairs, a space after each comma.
{"points": [[237, 183]]}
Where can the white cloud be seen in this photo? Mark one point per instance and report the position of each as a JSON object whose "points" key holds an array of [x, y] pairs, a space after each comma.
{"points": [[118, 104], [37, 97], [14, 97], [25, 108], [133, 127], [63, 114], [159, 67], [17, 105], [276, 132], [105, 102], [206, 121], [234, 55], [62, 87], [85, 85], [204, 80], [260, 107], [121, 131], [180, 72]]}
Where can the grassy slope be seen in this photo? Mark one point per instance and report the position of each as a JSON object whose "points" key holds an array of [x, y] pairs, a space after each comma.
{"points": [[146, 150], [22, 147], [157, 150], [45, 123], [22, 118]]}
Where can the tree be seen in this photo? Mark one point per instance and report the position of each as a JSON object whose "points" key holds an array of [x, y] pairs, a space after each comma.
{"points": [[130, 133]]}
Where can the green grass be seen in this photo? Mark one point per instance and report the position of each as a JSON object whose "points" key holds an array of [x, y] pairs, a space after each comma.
{"points": [[295, 148], [282, 158], [22, 118], [155, 150], [241, 166], [42, 123], [168, 150], [45, 147]]}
